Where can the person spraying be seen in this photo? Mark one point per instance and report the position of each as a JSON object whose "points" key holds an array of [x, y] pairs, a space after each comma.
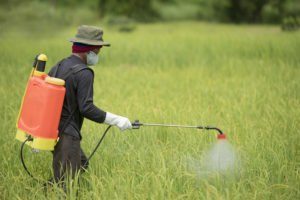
{"points": [[54, 106], [78, 103]]}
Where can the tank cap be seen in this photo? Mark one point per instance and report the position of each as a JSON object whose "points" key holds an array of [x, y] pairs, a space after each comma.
{"points": [[55, 81]]}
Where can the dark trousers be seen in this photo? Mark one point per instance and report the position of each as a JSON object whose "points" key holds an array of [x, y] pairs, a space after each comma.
{"points": [[68, 158]]}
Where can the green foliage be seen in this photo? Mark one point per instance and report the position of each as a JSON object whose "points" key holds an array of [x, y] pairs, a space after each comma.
{"points": [[41, 17], [238, 11], [291, 19], [245, 10], [121, 23], [290, 23], [291, 8], [271, 14], [213, 10], [142, 11], [66, 12], [177, 10], [53, 3]]}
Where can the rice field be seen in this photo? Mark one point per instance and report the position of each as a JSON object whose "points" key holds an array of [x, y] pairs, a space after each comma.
{"points": [[242, 79]]}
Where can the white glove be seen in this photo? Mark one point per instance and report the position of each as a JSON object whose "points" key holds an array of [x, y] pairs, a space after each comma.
{"points": [[122, 123]]}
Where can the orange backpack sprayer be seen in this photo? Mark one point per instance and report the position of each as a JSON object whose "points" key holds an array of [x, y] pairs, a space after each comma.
{"points": [[41, 108]]}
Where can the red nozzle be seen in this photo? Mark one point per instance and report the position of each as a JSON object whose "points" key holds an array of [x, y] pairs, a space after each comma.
{"points": [[222, 136]]}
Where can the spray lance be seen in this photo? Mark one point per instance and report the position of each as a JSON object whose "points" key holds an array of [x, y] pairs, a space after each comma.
{"points": [[137, 124]]}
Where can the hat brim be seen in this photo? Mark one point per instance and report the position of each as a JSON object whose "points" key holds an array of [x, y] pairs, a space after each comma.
{"points": [[90, 42]]}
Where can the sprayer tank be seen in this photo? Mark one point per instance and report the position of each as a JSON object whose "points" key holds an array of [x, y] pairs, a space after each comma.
{"points": [[41, 109]]}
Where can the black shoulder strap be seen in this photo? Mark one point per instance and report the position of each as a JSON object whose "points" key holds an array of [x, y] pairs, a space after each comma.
{"points": [[57, 66], [75, 69]]}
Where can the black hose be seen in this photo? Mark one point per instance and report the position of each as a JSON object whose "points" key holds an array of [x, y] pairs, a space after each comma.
{"points": [[97, 146], [210, 128], [22, 157]]}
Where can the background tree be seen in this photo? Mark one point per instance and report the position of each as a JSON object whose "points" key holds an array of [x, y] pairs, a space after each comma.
{"points": [[134, 9]]}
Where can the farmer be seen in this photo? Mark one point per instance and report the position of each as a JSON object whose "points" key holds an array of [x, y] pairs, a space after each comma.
{"points": [[68, 156]]}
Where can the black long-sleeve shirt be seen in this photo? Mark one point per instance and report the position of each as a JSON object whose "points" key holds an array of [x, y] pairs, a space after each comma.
{"points": [[78, 98]]}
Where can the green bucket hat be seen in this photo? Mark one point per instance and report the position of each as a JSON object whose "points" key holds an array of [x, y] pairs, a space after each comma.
{"points": [[90, 35]]}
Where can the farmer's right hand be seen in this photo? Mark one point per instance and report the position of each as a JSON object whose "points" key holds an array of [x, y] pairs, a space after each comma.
{"points": [[122, 123]]}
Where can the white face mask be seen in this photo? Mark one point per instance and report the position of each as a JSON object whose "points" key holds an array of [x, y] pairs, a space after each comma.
{"points": [[92, 58]]}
